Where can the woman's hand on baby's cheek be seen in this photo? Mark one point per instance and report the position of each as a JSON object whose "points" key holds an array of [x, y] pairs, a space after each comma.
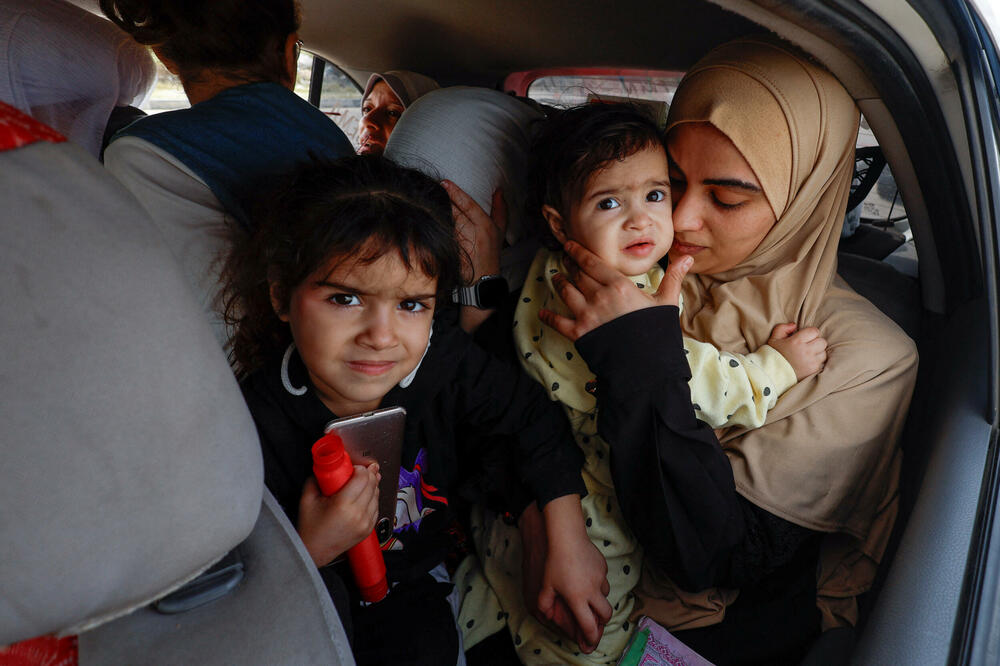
{"points": [[599, 294], [583, 320], [329, 526], [669, 292]]}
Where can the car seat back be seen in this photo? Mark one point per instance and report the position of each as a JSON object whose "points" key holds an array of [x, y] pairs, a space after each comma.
{"points": [[131, 463], [479, 139]]}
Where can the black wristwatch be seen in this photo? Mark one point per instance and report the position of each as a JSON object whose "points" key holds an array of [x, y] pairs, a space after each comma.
{"points": [[487, 293]]}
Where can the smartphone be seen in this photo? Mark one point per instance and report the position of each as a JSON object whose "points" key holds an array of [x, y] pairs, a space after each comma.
{"points": [[376, 437]]}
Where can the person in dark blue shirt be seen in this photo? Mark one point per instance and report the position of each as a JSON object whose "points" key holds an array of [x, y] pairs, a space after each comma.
{"points": [[196, 169]]}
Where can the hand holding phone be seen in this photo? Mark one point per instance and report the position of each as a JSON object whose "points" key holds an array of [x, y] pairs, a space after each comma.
{"points": [[333, 470], [376, 436], [329, 526]]}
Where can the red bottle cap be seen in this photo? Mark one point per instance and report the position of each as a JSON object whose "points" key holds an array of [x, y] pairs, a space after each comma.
{"points": [[331, 464]]}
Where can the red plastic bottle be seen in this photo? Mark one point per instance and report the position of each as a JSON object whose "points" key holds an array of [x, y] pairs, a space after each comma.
{"points": [[332, 467]]}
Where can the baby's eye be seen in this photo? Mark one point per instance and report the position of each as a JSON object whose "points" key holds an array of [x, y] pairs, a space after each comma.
{"points": [[656, 195], [607, 204], [345, 299], [412, 306]]}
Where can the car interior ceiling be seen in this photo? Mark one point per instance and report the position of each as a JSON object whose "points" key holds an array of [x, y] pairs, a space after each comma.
{"points": [[479, 42], [476, 44]]}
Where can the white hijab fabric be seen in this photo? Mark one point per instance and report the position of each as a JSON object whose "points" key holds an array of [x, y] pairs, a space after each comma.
{"points": [[69, 68], [479, 139]]}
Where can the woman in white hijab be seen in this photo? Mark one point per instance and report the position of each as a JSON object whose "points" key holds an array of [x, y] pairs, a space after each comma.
{"points": [[68, 68], [782, 526]]}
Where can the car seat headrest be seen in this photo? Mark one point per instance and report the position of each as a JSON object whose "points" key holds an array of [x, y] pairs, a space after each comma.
{"points": [[130, 460], [479, 139]]}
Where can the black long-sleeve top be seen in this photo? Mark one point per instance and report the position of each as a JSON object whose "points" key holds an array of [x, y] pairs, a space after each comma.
{"points": [[460, 400], [671, 476]]}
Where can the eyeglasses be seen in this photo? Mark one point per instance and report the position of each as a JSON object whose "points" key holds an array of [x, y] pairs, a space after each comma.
{"points": [[298, 49]]}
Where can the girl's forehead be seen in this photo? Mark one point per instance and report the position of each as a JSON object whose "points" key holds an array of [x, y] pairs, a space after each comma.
{"points": [[386, 273]]}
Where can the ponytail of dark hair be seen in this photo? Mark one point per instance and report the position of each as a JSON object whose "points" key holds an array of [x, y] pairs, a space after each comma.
{"points": [[242, 39]]}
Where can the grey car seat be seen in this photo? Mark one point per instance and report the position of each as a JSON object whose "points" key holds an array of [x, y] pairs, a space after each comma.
{"points": [[131, 463]]}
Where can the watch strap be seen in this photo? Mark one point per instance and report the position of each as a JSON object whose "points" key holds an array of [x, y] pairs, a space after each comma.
{"points": [[472, 295]]}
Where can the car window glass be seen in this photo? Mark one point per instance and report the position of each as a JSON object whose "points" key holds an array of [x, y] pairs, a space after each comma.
{"points": [[653, 88], [883, 205], [303, 74], [876, 224], [167, 94], [340, 98]]}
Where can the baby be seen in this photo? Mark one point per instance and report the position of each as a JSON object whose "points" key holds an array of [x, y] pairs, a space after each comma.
{"points": [[602, 178]]}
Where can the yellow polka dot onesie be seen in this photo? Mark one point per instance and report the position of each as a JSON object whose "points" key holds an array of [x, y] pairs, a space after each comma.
{"points": [[726, 389]]}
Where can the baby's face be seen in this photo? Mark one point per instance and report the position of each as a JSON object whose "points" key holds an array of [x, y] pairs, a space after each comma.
{"points": [[624, 215]]}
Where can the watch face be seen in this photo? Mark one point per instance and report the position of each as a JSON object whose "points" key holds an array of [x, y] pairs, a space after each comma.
{"points": [[492, 292]]}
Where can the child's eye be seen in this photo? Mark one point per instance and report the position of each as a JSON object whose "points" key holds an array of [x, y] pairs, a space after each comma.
{"points": [[656, 195], [345, 299], [412, 306], [607, 204]]}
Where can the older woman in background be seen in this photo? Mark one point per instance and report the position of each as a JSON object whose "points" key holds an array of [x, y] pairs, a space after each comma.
{"points": [[386, 96]]}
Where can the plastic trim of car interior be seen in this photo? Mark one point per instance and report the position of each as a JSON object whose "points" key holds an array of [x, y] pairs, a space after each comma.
{"points": [[976, 638], [884, 58]]}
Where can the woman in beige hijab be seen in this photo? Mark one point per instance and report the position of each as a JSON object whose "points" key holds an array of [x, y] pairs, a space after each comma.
{"points": [[782, 526]]}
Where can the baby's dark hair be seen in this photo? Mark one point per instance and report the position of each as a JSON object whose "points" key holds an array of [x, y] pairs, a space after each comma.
{"points": [[242, 39], [573, 143], [358, 208]]}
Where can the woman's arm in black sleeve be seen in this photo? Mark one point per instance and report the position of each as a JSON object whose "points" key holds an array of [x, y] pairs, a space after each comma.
{"points": [[499, 399], [673, 481]]}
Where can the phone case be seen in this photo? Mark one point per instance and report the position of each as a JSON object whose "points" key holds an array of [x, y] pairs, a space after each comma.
{"points": [[376, 437]]}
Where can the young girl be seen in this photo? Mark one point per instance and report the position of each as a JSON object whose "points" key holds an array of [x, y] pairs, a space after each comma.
{"points": [[603, 182], [336, 302]]}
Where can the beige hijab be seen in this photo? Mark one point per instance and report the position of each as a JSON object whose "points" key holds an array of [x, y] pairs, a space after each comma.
{"points": [[827, 457]]}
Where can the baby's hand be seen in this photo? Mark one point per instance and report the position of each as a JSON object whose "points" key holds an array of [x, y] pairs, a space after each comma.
{"points": [[576, 574], [330, 525], [574, 585], [804, 349]]}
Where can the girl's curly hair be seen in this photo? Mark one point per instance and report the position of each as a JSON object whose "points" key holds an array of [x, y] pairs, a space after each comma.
{"points": [[358, 208]]}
